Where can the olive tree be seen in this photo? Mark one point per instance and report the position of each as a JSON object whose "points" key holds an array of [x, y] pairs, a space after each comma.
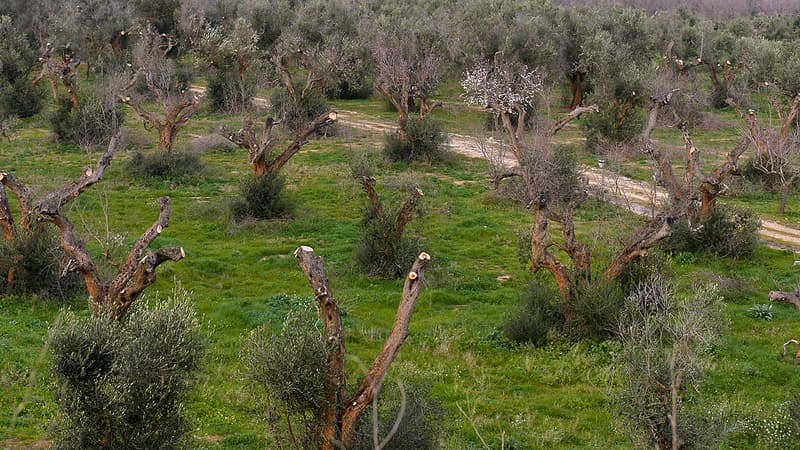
{"points": [[666, 344], [113, 296], [177, 102]]}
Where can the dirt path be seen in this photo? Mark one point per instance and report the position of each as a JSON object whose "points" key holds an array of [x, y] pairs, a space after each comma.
{"points": [[637, 196]]}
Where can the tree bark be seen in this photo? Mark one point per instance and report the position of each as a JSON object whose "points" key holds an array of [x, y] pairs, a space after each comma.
{"points": [[166, 137], [576, 80]]}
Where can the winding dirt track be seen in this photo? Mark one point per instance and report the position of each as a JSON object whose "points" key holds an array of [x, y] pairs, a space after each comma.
{"points": [[637, 196]]}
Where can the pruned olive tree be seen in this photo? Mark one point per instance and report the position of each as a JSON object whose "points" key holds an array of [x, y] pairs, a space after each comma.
{"points": [[138, 271], [264, 154], [384, 249], [341, 410], [59, 64], [177, 103]]}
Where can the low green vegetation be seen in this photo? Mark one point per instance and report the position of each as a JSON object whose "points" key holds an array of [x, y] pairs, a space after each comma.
{"points": [[546, 396]]}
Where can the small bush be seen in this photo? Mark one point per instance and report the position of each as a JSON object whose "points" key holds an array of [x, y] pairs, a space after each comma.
{"points": [[726, 232], [536, 315], [291, 367], [602, 128], [297, 113], [420, 425], [123, 384], [425, 141], [262, 198], [19, 98], [91, 124], [226, 93], [380, 252], [32, 264], [592, 312], [164, 165]]}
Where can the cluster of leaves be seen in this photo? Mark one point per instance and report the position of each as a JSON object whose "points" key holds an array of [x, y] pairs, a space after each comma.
{"points": [[93, 123], [725, 232], [17, 96], [124, 384], [291, 368]]}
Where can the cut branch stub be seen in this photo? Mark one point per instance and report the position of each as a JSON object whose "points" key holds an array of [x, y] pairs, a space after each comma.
{"points": [[793, 298]]}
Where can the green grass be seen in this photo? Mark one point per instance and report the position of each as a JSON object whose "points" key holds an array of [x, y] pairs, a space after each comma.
{"points": [[552, 397]]}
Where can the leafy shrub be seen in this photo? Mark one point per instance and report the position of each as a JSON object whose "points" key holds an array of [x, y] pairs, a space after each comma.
{"points": [[592, 311], [655, 263], [296, 113], [726, 232], [19, 98], [123, 384], [291, 367], [164, 165], [425, 140], [262, 198], [536, 315], [91, 124], [603, 128], [380, 251], [419, 426], [31, 264], [226, 93]]}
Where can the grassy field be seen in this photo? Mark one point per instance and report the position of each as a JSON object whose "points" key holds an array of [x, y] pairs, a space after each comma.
{"points": [[558, 396]]}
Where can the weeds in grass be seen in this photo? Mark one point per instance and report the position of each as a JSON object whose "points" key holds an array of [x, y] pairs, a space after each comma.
{"points": [[761, 311]]}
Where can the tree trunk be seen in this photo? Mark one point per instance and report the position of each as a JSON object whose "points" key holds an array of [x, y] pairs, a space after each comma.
{"points": [[784, 197], [402, 130], [54, 89], [335, 379], [166, 137], [340, 416], [576, 80]]}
